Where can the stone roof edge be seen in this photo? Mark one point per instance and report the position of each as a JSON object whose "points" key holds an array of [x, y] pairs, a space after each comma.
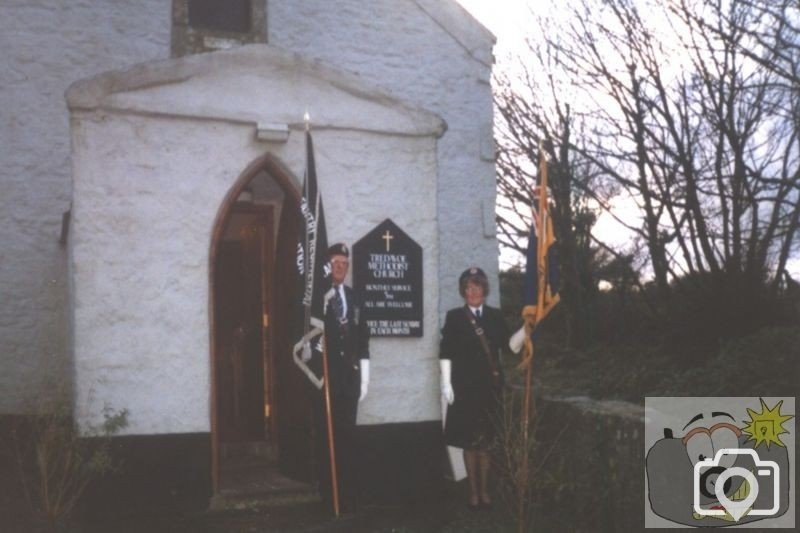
{"points": [[478, 40], [91, 93]]}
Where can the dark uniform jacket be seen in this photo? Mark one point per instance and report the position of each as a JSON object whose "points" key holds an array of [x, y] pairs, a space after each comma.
{"points": [[347, 345], [462, 345]]}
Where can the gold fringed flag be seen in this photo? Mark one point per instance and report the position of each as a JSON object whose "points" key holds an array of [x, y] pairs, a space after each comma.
{"points": [[541, 267]]}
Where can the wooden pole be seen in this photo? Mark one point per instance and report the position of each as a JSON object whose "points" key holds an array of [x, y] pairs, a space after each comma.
{"points": [[329, 418], [525, 413], [541, 272]]}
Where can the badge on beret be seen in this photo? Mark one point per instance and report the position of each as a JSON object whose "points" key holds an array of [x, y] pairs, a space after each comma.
{"points": [[339, 248], [472, 272]]}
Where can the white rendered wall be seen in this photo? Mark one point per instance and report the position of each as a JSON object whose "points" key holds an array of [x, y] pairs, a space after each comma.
{"points": [[146, 194], [433, 54], [46, 45]]}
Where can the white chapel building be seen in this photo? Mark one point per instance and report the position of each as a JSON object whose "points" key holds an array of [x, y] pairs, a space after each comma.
{"points": [[153, 155]]}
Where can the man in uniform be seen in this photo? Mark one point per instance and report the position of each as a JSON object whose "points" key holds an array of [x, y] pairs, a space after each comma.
{"points": [[347, 341]]}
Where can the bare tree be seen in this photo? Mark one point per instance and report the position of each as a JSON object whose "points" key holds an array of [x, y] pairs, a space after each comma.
{"points": [[766, 34], [690, 109]]}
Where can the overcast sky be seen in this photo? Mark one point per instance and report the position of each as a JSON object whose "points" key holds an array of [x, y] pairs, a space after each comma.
{"points": [[507, 19]]}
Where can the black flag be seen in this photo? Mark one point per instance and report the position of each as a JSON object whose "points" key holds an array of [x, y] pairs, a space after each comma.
{"points": [[313, 268]]}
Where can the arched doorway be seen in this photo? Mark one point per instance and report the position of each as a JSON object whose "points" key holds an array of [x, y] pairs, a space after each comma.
{"points": [[260, 402]]}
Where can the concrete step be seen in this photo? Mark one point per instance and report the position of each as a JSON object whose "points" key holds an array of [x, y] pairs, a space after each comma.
{"points": [[239, 502], [250, 449], [246, 485]]}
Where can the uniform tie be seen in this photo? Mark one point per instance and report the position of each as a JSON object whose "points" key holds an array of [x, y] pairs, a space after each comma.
{"points": [[478, 313], [338, 305]]}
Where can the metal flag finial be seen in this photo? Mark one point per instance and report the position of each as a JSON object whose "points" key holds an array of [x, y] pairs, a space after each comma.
{"points": [[307, 120]]}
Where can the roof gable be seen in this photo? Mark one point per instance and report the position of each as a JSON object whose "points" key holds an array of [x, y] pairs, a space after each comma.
{"points": [[461, 26], [254, 84]]}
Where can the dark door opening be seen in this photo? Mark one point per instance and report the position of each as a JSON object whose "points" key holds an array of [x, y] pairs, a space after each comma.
{"points": [[261, 402], [243, 363]]}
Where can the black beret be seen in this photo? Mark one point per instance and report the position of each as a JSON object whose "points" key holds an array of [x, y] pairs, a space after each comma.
{"points": [[472, 272], [339, 248]]}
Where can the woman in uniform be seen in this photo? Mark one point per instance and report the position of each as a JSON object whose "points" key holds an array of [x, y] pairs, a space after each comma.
{"points": [[472, 379]]}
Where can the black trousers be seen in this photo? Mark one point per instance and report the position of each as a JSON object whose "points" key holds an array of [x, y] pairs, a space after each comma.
{"points": [[344, 410]]}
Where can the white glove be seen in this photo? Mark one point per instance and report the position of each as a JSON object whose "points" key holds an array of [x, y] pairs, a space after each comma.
{"points": [[447, 387], [517, 340], [306, 353], [364, 378], [327, 298]]}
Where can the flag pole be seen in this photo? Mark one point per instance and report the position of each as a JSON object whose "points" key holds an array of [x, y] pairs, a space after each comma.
{"points": [[326, 381], [542, 275], [525, 413], [329, 417]]}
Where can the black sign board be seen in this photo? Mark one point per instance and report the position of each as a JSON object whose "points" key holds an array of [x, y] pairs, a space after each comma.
{"points": [[387, 276]]}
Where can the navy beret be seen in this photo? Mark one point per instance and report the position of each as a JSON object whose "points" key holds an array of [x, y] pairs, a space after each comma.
{"points": [[472, 272], [339, 248]]}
